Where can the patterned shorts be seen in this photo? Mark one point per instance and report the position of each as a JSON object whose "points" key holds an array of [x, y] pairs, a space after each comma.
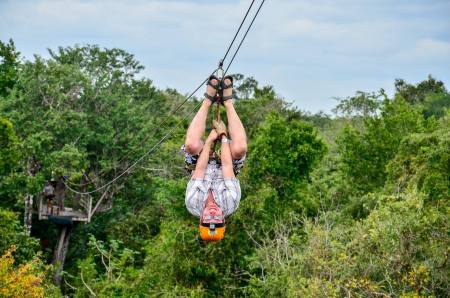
{"points": [[191, 161]]}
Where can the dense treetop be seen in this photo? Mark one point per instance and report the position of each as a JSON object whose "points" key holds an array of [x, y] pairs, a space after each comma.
{"points": [[349, 204]]}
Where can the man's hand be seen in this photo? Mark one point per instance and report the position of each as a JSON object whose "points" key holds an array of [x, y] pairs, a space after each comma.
{"points": [[220, 127], [213, 135]]}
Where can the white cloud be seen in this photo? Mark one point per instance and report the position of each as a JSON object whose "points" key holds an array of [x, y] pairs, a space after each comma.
{"points": [[428, 49], [348, 44]]}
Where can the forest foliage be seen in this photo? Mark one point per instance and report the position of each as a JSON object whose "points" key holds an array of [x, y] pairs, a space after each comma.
{"points": [[350, 204]]}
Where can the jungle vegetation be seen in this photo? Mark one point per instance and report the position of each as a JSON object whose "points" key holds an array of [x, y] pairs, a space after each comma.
{"points": [[351, 204]]}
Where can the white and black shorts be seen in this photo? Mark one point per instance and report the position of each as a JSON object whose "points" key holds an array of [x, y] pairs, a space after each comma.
{"points": [[190, 161]]}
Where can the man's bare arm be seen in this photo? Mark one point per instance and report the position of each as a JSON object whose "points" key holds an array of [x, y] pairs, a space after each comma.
{"points": [[202, 162], [226, 159]]}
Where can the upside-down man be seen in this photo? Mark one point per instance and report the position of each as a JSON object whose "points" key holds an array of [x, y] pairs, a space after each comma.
{"points": [[213, 191]]}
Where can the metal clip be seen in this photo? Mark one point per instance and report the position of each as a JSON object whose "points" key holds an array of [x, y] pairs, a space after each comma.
{"points": [[220, 72]]}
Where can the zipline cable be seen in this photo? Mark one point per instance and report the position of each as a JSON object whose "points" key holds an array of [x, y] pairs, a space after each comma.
{"points": [[243, 38], [160, 125], [180, 105], [138, 160], [237, 32], [221, 62], [171, 113], [181, 121]]}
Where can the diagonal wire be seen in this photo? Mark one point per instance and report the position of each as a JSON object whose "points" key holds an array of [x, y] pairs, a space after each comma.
{"points": [[181, 121], [243, 38], [139, 159], [171, 113], [158, 129], [237, 32]]}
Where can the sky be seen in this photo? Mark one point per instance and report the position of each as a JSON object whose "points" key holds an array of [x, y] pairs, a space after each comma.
{"points": [[310, 51]]}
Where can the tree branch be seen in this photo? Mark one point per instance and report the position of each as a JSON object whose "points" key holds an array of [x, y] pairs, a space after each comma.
{"points": [[85, 284], [99, 201]]}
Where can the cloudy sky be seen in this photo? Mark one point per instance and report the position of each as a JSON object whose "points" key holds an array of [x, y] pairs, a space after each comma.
{"points": [[310, 50]]}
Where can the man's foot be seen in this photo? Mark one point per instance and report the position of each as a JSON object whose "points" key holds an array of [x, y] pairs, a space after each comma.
{"points": [[211, 88], [227, 87]]}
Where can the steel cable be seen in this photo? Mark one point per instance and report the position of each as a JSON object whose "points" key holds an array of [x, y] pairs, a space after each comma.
{"points": [[184, 118]]}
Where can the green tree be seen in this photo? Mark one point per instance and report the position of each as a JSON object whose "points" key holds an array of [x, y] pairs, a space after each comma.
{"points": [[422, 163], [365, 154], [436, 105], [282, 156], [9, 63], [13, 234], [9, 148], [84, 114], [363, 104], [399, 250], [244, 87], [284, 152], [417, 93], [312, 222], [10, 155]]}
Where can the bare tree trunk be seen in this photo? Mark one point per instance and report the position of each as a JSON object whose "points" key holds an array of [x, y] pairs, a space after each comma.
{"points": [[28, 214], [32, 168], [61, 249]]}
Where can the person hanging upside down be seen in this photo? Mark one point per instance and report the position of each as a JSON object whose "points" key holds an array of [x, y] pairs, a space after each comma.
{"points": [[213, 191]]}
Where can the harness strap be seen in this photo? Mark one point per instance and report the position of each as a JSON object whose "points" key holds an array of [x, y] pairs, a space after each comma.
{"points": [[216, 225]]}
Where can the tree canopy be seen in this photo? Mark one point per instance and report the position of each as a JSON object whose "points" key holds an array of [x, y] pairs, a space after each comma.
{"points": [[350, 204]]}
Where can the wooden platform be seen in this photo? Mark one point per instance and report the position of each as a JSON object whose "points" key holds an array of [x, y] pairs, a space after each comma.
{"points": [[76, 215]]}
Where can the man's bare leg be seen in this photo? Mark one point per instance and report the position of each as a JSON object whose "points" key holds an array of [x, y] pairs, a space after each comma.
{"points": [[197, 127], [238, 145]]}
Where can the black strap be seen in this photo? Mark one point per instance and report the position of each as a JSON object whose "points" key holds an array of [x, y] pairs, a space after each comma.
{"points": [[213, 77], [225, 98], [211, 98], [226, 86], [217, 225]]}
